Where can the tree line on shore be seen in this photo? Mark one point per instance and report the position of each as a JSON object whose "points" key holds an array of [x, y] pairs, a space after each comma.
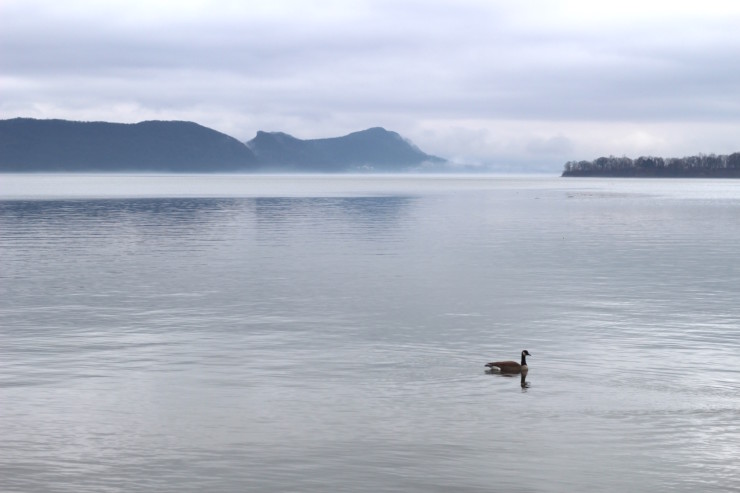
{"points": [[702, 165]]}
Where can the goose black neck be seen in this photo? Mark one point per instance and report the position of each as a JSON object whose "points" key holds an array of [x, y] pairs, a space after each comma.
{"points": [[524, 360]]}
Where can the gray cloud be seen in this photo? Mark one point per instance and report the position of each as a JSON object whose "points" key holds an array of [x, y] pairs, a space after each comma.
{"points": [[558, 146], [435, 71]]}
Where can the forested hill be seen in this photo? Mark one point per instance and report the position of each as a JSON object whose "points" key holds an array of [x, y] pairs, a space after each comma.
{"points": [[374, 149], [59, 145], [701, 166]]}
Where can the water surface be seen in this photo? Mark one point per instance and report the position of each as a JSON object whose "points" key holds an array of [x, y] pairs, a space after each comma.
{"points": [[328, 333]]}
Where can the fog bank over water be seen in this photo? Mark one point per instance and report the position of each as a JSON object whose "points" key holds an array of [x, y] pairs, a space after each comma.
{"points": [[99, 186]]}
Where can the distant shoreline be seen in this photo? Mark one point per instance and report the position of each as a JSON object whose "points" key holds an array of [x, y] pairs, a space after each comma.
{"points": [[700, 166], [703, 174]]}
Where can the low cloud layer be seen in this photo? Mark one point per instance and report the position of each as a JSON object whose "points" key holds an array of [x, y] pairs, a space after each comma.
{"points": [[528, 85]]}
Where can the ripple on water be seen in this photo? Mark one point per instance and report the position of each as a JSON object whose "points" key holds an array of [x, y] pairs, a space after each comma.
{"points": [[332, 336]]}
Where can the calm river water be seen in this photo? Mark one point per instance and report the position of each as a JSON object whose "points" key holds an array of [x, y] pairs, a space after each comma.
{"points": [[328, 333]]}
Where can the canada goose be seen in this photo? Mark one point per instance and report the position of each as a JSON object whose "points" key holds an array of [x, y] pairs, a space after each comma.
{"points": [[510, 366]]}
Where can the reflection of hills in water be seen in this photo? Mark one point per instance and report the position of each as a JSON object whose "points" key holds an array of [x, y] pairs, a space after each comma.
{"points": [[238, 247], [372, 211], [196, 215]]}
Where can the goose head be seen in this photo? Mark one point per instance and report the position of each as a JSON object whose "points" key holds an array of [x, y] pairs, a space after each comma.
{"points": [[525, 353]]}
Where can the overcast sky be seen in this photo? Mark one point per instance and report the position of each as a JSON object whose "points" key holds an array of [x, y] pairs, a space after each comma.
{"points": [[529, 83]]}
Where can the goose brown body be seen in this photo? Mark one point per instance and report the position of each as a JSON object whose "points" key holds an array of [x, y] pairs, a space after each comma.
{"points": [[510, 366]]}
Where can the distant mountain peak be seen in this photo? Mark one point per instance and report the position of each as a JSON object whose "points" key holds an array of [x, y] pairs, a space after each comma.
{"points": [[272, 136], [372, 149], [375, 130]]}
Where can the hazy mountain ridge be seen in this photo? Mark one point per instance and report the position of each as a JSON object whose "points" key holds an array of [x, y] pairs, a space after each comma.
{"points": [[60, 145], [375, 149], [178, 146]]}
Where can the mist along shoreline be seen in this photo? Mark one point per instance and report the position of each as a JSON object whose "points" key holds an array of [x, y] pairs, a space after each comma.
{"points": [[700, 166]]}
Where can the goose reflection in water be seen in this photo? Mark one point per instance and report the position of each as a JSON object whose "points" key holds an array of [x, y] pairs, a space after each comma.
{"points": [[525, 384], [522, 378]]}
